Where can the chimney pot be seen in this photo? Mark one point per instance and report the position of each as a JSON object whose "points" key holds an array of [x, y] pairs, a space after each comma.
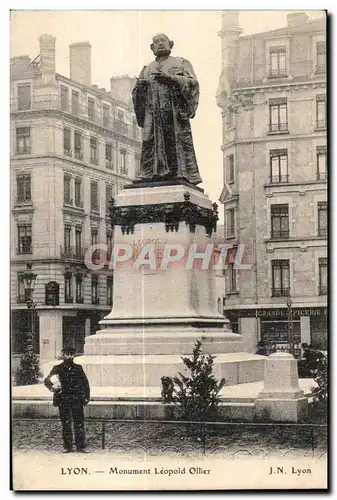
{"points": [[80, 62], [296, 19]]}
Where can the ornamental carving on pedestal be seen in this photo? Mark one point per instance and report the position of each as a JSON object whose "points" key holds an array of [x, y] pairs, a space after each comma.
{"points": [[171, 214]]}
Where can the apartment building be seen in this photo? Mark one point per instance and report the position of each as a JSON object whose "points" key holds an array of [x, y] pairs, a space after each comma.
{"points": [[73, 146], [272, 94]]}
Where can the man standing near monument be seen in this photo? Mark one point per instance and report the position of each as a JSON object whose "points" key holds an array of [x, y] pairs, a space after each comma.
{"points": [[71, 391], [165, 98]]}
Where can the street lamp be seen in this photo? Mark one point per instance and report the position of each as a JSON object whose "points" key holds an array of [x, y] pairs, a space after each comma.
{"points": [[28, 278], [290, 325]]}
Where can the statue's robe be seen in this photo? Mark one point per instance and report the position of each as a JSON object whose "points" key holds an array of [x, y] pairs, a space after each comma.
{"points": [[164, 110]]}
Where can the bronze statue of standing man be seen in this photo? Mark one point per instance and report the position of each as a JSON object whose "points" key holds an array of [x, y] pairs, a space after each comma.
{"points": [[165, 98]]}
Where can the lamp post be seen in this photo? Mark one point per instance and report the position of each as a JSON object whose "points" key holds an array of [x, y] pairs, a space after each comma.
{"points": [[29, 278], [290, 325]]}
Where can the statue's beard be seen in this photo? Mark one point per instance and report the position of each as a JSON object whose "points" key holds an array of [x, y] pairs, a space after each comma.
{"points": [[162, 52]]}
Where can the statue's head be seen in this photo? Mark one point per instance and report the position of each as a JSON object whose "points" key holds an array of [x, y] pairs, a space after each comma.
{"points": [[161, 45]]}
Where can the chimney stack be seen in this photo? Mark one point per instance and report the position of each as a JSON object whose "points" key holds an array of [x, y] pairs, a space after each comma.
{"points": [[296, 19], [47, 55], [80, 63]]}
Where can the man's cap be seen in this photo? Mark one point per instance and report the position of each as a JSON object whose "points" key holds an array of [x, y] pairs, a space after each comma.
{"points": [[69, 350]]}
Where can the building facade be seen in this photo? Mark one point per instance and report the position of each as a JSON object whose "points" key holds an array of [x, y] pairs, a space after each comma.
{"points": [[73, 147], [272, 94]]}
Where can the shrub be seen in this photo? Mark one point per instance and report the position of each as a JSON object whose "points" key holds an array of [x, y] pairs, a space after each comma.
{"points": [[196, 395], [28, 371], [320, 392]]}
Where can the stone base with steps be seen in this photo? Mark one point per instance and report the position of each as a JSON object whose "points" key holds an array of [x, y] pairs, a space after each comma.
{"points": [[238, 402]]}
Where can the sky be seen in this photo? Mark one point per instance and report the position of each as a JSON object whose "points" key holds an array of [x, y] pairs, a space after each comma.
{"points": [[121, 45]]}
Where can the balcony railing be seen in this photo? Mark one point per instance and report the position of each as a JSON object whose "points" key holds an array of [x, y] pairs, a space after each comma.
{"points": [[109, 164], [278, 127], [280, 235], [280, 292], [323, 290], [323, 232], [95, 301], [320, 124], [78, 154], [79, 300], [277, 179], [73, 253], [68, 152], [54, 102], [320, 68], [68, 300], [277, 73], [94, 161]]}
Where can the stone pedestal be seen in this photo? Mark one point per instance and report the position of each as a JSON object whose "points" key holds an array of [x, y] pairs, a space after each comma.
{"points": [[159, 311], [281, 398]]}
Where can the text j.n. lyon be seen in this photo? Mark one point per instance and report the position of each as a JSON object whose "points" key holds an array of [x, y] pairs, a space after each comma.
{"points": [[293, 470]]}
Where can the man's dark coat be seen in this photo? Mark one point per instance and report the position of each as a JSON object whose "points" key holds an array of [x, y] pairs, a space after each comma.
{"points": [[74, 383]]}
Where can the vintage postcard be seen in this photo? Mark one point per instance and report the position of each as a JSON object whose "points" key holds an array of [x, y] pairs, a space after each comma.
{"points": [[169, 250]]}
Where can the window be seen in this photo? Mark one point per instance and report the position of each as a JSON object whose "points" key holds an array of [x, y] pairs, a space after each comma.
{"points": [[280, 278], [122, 158], [25, 238], [93, 151], [108, 196], [78, 192], [279, 221], [64, 98], [322, 208], [230, 174], [278, 115], [23, 140], [67, 241], [320, 57], [21, 297], [23, 186], [75, 102], [323, 276], [78, 145], [24, 101], [94, 196], [230, 222], [67, 190], [121, 126], [106, 115], [109, 290], [229, 118], [78, 295], [94, 241], [109, 242], [320, 112], [231, 278], [321, 163], [78, 242], [91, 108], [278, 165], [108, 156], [94, 290], [134, 128], [68, 289], [277, 61], [137, 165], [67, 142]]}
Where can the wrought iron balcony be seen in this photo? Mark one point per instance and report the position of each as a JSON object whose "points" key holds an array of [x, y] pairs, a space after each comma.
{"points": [[280, 235], [69, 300], [280, 292], [72, 253], [278, 127], [277, 179]]}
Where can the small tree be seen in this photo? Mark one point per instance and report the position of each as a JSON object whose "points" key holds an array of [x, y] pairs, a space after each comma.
{"points": [[320, 392], [196, 395], [28, 371]]}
